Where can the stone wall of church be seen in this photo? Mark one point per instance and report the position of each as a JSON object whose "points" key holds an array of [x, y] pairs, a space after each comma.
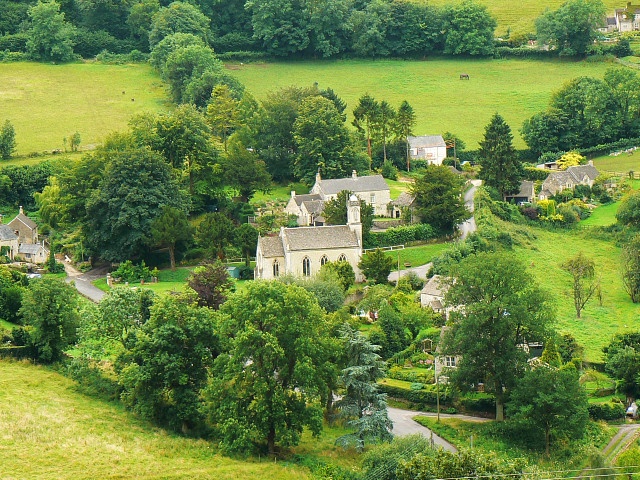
{"points": [[295, 260]]}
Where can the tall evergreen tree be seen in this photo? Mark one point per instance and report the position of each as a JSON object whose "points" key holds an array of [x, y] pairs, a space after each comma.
{"points": [[366, 113], [362, 405], [405, 120], [499, 165], [384, 121]]}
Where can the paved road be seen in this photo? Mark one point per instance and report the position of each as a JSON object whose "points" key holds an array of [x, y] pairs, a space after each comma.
{"points": [[469, 226], [404, 425], [421, 271], [83, 281]]}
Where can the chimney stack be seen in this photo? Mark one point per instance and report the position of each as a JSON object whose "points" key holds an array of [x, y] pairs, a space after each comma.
{"points": [[354, 174]]}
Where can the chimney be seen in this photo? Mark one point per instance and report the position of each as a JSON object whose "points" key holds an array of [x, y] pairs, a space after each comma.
{"points": [[293, 193], [354, 175], [590, 162], [21, 212], [318, 177]]}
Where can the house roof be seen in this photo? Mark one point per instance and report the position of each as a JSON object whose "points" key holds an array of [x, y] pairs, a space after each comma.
{"points": [[404, 200], [21, 217], [425, 141], [31, 248], [354, 184], [314, 206], [271, 246], [435, 286], [526, 190], [322, 237], [581, 170], [300, 199], [7, 233], [611, 20]]}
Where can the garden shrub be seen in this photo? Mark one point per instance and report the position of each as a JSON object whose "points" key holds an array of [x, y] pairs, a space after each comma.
{"points": [[606, 411], [426, 396], [401, 235], [129, 272], [14, 43]]}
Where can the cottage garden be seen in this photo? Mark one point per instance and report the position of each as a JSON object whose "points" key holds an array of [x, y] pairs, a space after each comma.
{"points": [[280, 276]]}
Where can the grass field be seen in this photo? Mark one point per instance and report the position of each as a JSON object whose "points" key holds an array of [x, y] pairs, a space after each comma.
{"points": [[50, 431], [520, 16], [602, 216], [418, 255], [515, 88], [621, 163], [168, 282], [47, 103], [598, 323]]}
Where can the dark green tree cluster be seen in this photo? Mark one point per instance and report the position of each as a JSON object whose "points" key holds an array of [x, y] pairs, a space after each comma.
{"points": [[586, 112]]}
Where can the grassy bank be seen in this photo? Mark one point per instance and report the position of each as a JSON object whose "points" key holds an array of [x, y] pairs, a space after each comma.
{"points": [[515, 88], [47, 103], [419, 255], [51, 431], [621, 163]]}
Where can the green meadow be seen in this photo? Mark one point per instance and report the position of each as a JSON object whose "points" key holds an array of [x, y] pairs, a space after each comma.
{"points": [[47, 103], [442, 102], [620, 163]]}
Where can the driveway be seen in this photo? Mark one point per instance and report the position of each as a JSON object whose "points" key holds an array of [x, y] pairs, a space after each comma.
{"points": [[83, 281], [469, 226], [421, 271]]}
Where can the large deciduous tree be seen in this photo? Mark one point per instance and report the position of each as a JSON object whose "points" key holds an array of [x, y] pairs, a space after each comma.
{"points": [[267, 388], [211, 283], [178, 17], [551, 403], [281, 25], [244, 170], [7, 140], [583, 272], [222, 113], [364, 408], [170, 229], [622, 362], [468, 28], [500, 166], [335, 212], [629, 210], [364, 118], [213, 233], [247, 239], [497, 309], [572, 28], [50, 37], [631, 268], [136, 186], [438, 197], [376, 266]]}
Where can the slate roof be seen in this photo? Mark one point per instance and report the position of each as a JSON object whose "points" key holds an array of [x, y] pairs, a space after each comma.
{"points": [[271, 246], [314, 206], [526, 190], [435, 286], [299, 199], [581, 170], [30, 248], [426, 141], [368, 183], [7, 233], [315, 238], [21, 217], [611, 21], [404, 200]]}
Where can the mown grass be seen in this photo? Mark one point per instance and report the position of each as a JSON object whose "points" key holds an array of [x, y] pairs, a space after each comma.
{"points": [[602, 216], [442, 102], [598, 323], [419, 255], [168, 281], [50, 431], [621, 163], [519, 17], [47, 103]]}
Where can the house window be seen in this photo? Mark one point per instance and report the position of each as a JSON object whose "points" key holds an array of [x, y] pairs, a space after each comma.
{"points": [[372, 198], [342, 258], [306, 267], [450, 362], [323, 260], [276, 268]]}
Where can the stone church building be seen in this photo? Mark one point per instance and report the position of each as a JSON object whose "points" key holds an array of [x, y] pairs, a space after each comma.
{"points": [[302, 251]]}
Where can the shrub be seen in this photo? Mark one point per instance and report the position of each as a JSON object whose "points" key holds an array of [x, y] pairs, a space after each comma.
{"points": [[401, 235], [14, 43], [423, 397], [129, 272], [388, 170], [417, 386], [246, 273], [91, 379], [606, 411]]}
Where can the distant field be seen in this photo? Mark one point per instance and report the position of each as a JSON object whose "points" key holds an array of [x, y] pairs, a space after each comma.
{"points": [[47, 103], [620, 163], [519, 16], [442, 102]]}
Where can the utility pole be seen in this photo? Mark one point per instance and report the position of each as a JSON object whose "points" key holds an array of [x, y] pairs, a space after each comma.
{"points": [[438, 398]]}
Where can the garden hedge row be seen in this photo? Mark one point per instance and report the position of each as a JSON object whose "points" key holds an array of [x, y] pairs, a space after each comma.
{"points": [[400, 235], [606, 411]]}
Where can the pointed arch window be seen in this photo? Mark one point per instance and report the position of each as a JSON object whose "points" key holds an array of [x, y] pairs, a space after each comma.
{"points": [[306, 267], [342, 258], [276, 268], [324, 260]]}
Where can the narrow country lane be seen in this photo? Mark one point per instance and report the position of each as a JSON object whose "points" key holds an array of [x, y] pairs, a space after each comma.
{"points": [[83, 281]]}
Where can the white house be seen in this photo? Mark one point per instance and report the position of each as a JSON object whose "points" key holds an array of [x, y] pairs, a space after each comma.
{"points": [[432, 295], [628, 19], [428, 147], [373, 189], [34, 252], [302, 251]]}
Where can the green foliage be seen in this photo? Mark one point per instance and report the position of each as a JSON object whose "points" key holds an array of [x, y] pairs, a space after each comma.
{"points": [[606, 411], [622, 361], [469, 29], [500, 167], [503, 308], [381, 462], [245, 171], [170, 229], [335, 212], [7, 140], [401, 235], [128, 271], [178, 17], [439, 198], [49, 306], [214, 232], [631, 268], [166, 364], [393, 338], [629, 210], [212, 284], [266, 388], [362, 406], [585, 283], [551, 403], [376, 266], [343, 270], [550, 354], [50, 36]]}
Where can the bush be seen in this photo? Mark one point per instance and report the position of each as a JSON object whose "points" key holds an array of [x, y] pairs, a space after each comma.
{"points": [[7, 56], [423, 397], [14, 43], [533, 173], [388, 170], [524, 52], [91, 379], [246, 273], [89, 43], [129, 272], [400, 235], [399, 373], [478, 403], [606, 411]]}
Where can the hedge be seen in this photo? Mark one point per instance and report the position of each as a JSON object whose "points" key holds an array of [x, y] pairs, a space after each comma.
{"points": [[485, 403], [533, 173], [606, 411], [400, 235], [607, 148], [425, 397], [524, 52], [14, 43]]}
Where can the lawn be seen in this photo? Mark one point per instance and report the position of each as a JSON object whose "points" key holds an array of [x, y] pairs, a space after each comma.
{"points": [[168, 281], [519, 17], [621, 163], [418, 255], [47, 103], [49, 430], [515, 88], [602, 216], [598, 323]]}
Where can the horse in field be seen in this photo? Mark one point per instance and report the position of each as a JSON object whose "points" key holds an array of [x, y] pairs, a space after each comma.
{"points": [[464, 76]]}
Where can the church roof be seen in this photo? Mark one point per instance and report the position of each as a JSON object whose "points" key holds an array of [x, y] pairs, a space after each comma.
{"points": [[368, 183], [312, 238], [271, 246]]}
